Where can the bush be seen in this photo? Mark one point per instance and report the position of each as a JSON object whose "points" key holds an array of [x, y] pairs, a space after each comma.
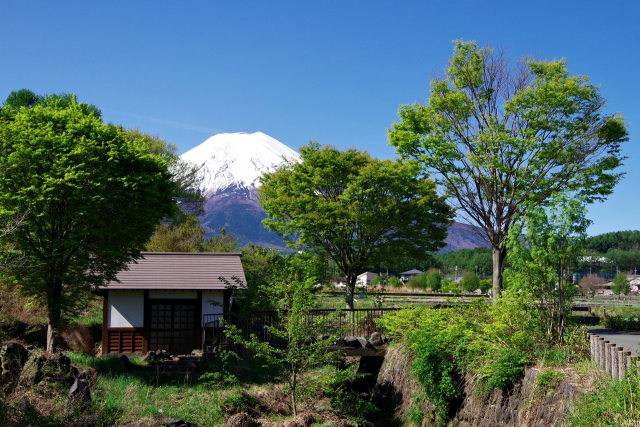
{"points": [[419, 281], [625, 322], [434, 280], [394, 282], [470, 282], [449, 287]]}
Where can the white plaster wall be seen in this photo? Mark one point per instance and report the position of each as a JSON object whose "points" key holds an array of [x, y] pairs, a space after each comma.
{"points": [[173, 294], [212, 301], [125, 309]]}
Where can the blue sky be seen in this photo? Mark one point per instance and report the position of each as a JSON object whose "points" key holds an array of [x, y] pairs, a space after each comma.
{"points": [[330, 71]]}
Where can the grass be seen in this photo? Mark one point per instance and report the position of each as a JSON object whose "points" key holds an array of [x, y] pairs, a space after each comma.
{"points": [[609, 403]]}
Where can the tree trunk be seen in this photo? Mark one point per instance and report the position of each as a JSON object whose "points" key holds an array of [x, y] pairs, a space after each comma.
{"points": [[350, 290], [498, 254], [53, 312]]}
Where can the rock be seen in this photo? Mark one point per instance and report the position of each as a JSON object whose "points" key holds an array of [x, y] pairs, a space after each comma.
{"points": [[13, 357], [54, 368], [197, 353], [352, 342], [241, 419], [124, 360], [364, 343], [80, 391], [377, 339]]}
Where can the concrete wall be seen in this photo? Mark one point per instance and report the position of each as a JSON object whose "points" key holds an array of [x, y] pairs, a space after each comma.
{"points": [[125, 309]]}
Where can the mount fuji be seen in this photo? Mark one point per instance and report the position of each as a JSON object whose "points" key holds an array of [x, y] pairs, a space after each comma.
{"points": [[230, 166]]}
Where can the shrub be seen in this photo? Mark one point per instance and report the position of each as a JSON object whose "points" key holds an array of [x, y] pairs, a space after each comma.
{"points": [[449, 286], [419, 281], [394, 282], [434, 280], [470, 282]]}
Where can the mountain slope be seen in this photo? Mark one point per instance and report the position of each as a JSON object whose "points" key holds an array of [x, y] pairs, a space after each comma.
{"points": [[230, 167]]}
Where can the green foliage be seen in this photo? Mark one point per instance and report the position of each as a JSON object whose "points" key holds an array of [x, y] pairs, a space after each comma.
{"points": [[506, 369], [292, 293], [357, 209], [434, 280], [490, 126], [419, 281], [624, 240], [625, 322], [28, 99], [544, 250], [87, 196], [547, 380], [621, 284], [494, 342], [609, 403], [394, 282], [470, 282], [477, 260], [485, 285], [338, 386], [415, 415], [189, 236], [449, 287]]}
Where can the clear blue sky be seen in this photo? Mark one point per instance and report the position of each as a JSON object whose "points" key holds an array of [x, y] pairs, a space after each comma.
{"points": [[331, 71]]}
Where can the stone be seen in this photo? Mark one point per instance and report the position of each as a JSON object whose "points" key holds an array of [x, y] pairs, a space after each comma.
{"points": [[352, 342], [54, 368], [377, 339], [13, 357], [241, 419], [80, 391]]}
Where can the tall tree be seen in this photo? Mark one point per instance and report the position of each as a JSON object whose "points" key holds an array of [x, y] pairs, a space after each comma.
{"points": [[89, 198], [545, 248], [189, 236], [357, 209], [502, 139]]}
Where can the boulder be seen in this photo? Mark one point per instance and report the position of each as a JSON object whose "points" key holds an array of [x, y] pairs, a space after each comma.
{"points": [[351, 342], [377, 339], [52, 367], [80, 391], [13, 356]]}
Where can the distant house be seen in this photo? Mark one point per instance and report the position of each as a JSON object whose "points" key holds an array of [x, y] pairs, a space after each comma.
{"points": [[407, 275], [365, 278], [162, 301]]}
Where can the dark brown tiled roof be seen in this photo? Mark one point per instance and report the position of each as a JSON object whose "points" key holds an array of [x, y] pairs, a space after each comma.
{"points": [[180, 270]]}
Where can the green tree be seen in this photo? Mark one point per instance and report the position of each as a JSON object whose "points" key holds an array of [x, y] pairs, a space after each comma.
{"points": [[419, 281], [543, 253], [394, 282], [503, 139], [434, 280], [89, 198], [470, 281], [189, 236], [292, 293], [621, 284], [357, 209], [28, 99]]}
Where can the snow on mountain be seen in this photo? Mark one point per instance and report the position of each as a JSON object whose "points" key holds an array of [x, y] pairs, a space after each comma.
{"points": [[237, 160]]}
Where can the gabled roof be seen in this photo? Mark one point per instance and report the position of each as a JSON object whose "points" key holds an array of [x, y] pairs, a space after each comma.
{"points": [[414, 271], [180, 270]]}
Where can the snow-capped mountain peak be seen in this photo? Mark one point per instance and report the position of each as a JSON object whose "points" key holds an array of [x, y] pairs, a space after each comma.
{"points": [[237, 160]]}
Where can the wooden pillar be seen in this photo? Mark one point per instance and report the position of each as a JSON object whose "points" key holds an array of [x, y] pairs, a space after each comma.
{"points": [[607, 357], [105, 319]]}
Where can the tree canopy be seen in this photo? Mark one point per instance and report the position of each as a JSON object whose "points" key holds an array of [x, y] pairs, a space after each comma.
{"points": [[501, 139], [357, 209], [89, 197]]}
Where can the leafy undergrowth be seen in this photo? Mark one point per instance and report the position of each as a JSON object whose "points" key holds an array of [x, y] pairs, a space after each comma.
{"points": [[609, 403], [492, 342], [229, 385]]}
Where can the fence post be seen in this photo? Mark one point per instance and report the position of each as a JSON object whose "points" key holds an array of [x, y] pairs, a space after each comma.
{"points": [[601, 356], [607, 357], [614, 361], [622, 363]]}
